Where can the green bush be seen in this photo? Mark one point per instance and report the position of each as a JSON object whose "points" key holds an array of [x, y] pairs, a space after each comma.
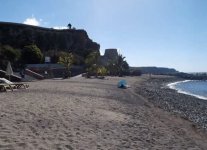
{"points": [[31, 54], [92, 63], [67, 60], [102, 71]]}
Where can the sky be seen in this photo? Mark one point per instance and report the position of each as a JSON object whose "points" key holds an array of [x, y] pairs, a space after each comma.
{"points": [[162, 33]]}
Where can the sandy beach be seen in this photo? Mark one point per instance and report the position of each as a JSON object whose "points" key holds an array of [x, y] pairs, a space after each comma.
{"points": [[92, 114]]}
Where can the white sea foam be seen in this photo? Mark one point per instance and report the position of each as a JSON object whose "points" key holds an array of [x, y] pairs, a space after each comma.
{"points": [[173, 86]]}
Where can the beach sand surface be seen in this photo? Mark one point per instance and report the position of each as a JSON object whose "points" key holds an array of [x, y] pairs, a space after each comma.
{"points": [[90, 114]]}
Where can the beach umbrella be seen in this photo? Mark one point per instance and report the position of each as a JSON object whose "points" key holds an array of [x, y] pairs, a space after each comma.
{"points": [[9, 70]]}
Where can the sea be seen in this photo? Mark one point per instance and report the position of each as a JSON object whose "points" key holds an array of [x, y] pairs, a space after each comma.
{"points": [[196, 88]]}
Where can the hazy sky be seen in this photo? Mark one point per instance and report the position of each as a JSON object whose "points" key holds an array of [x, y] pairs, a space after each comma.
{"points": [[164, 33]]}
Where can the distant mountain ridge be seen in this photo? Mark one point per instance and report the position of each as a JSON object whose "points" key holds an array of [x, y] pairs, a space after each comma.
{"points": [[155, 70], [169, 71], [47, 39]]}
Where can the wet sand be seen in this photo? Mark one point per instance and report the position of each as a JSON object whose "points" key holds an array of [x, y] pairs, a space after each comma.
{"points": [[91, 114]]}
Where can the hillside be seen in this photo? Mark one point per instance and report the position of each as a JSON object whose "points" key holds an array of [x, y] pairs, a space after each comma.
{"points": [[155, 70], [47, 39]]}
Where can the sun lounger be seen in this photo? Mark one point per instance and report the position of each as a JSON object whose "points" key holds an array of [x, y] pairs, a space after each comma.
{"points": [[7, 85], [19, 85]]}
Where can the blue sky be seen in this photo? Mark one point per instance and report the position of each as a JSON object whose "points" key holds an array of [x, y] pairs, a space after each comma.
{"points": [[164, 33]]}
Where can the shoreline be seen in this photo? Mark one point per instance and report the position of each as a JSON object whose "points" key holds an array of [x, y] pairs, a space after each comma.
{"points": [[157, 91], [173, 84]]}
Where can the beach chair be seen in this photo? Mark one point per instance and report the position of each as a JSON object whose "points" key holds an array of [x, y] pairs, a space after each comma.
{"points": [[8, 85], [5, 87]]}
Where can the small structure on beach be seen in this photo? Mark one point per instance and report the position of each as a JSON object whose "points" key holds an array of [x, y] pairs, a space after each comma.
{"points": [[48, 70], [54, 70]]}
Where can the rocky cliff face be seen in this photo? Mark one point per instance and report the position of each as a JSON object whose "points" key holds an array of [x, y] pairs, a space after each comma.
{"points": [[72, 40]]}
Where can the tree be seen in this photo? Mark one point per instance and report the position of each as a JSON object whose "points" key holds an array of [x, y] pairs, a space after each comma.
{"points": [[118, 67], [92, 62], [102, 71], [31, 54], [125, 68], [67, 60], [92, 58], [122, 65], [112, 68], [9, 53]]}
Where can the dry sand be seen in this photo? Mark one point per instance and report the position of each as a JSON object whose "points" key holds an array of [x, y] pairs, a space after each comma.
{"points": [[90, 114]]}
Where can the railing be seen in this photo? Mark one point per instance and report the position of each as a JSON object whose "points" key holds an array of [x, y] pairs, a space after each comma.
{"points": [[34, 74]]}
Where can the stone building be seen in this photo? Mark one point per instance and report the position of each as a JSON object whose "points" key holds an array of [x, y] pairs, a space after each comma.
{"points": [[110, 55]]}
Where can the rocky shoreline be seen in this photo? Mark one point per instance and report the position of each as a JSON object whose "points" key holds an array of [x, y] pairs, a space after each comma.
{"points": [[155, 89]]}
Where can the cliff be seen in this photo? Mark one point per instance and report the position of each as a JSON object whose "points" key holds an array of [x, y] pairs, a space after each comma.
{"points": [[47, 39]]}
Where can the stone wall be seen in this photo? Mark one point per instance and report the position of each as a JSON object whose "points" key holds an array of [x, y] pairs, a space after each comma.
{"points": [[111, 54]]}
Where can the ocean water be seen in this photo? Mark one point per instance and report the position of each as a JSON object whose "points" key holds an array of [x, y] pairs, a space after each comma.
{"points": [[194, 88]]}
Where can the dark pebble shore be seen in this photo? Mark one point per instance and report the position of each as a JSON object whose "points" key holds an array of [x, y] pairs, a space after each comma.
{"points": [[155, 89]]}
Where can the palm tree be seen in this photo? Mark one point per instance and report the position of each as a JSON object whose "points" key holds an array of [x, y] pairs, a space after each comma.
{"points": [[67, 60], [92, 62], [111, 67], [121, 65]]}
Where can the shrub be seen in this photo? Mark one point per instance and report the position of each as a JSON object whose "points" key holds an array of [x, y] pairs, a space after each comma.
{"points": [[67, 60], [31, 54], [102, 71]]}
